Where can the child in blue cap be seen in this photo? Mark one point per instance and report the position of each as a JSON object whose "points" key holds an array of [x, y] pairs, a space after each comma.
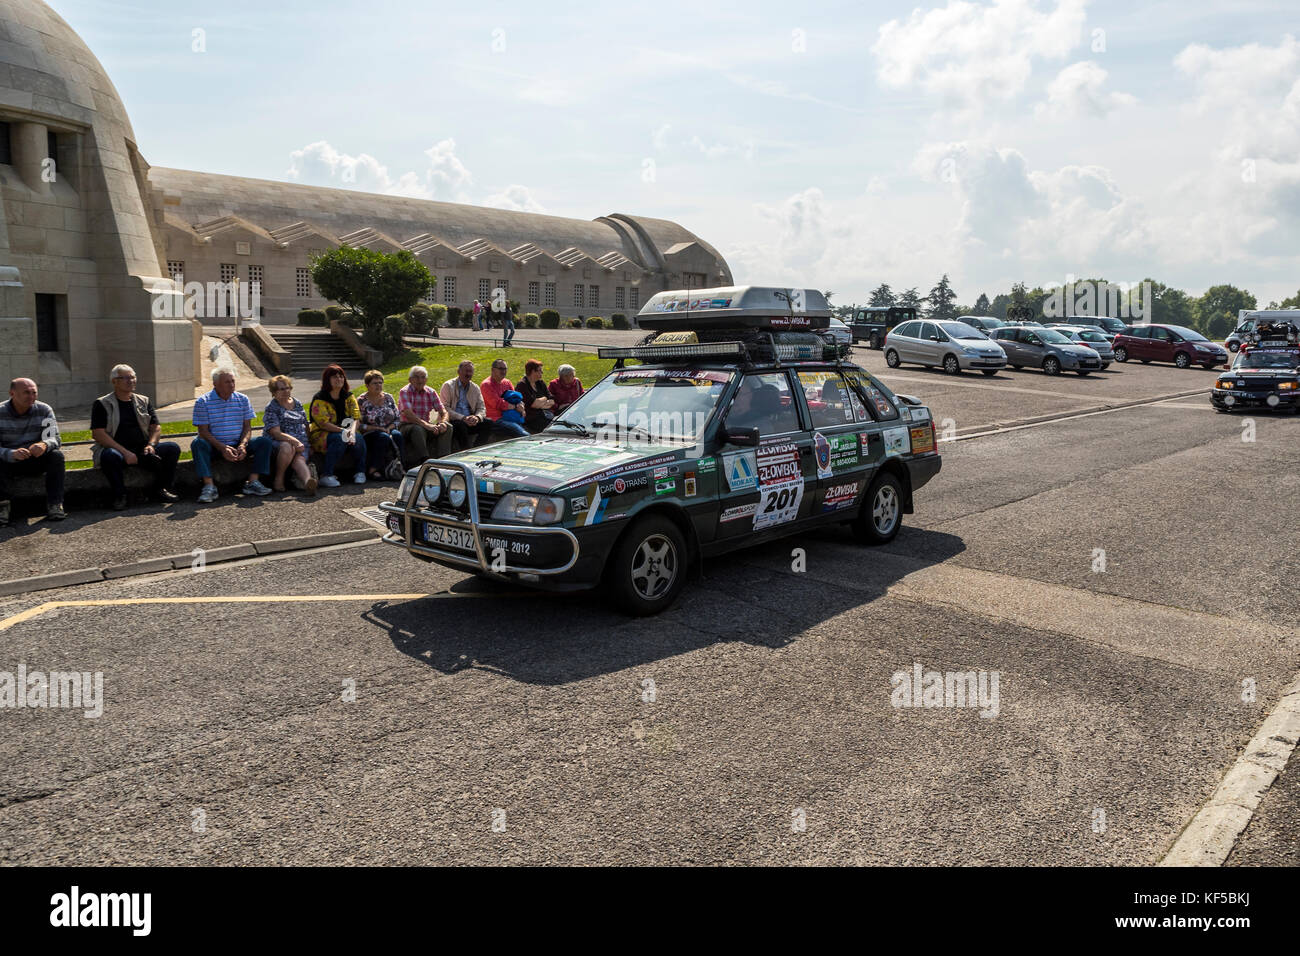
{"points": [[514, 413]]}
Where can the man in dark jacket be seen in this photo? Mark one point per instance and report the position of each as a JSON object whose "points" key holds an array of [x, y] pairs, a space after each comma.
{"points": [[126, 432]]}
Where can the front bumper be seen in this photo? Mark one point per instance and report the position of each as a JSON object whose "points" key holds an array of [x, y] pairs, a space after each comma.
{"points": [[529, 554], [1230, 399], [981, 361]]}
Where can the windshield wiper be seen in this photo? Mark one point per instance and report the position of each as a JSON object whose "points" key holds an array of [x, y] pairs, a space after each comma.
{"points": [[579, 428]]}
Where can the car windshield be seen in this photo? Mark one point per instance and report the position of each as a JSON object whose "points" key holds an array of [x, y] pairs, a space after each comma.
{"points": [[1268, 359], [960, 330], [1051, 337], [1189, 335], [657, 404], [1090, 336]]}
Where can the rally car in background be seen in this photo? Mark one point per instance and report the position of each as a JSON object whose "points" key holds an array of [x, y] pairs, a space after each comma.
{"points": [[741, 423], [1265, 373]]}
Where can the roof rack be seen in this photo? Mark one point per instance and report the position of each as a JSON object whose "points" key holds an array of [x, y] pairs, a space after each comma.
{"points": [[743, 346], [736, 307], [1272, 332]]}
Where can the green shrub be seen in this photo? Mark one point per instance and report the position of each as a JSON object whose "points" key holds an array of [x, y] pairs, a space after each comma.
{"points": [[595, 322], [549, 318], [313, 317], [573, 323], [335, 313], [420, 320], [619, 321], [351, 320], [530, 320], [453, 316], [439, 315]]}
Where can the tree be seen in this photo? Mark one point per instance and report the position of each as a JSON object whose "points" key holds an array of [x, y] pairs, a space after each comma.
{"points": [[375, 285], [882, 296], [1291, 303], [1168, 306], [1225, 300], [911, 299], [981, 306], [940, 300], [998, 308]]}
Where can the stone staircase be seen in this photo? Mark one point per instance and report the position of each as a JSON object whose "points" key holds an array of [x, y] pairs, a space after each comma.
{"points": [[313, 349]]}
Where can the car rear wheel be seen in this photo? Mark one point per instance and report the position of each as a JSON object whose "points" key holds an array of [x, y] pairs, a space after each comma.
{"points": [[1234, 346], [647, 570], [1052, 365], [951, 365], [1121, 354], [882, 511], [891, 359], [1182, 360], [989, 372], [875, 341]]}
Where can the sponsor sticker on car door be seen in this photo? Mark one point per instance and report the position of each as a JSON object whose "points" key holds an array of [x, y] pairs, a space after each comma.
{"points": [[780, 484]]}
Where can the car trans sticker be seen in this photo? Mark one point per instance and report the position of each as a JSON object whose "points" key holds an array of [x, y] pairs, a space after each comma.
{"points": [[741, 471], [780, 480], [896, 441], [840, 496]]}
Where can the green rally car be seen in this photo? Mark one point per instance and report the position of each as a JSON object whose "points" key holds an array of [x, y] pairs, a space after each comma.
{"points": [[742, 423]]}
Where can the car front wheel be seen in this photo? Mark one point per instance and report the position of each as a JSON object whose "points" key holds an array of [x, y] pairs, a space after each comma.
{"points": [[951, 365], [647, 570], [891, 359], [1234, 346], [1052, 366], [1121, 354], [882, 512]]}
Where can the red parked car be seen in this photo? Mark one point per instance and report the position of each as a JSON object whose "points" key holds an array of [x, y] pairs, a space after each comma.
{"points": [[1168, 343]]}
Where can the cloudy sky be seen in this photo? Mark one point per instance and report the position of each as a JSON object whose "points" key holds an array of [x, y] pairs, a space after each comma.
{"points": [[834, 145]]}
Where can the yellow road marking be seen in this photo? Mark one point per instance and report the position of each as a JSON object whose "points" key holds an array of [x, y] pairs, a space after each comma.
{"points": [[40, 609]]}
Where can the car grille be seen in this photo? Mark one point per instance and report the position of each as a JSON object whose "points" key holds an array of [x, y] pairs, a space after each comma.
{"points": [[1089, 363], [486, 503]]}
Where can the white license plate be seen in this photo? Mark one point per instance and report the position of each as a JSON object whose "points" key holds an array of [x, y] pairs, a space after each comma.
{"points": [[449, 537]]}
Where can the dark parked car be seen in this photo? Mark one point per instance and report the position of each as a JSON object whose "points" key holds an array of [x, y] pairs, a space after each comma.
{"points": [[985, 323], [1109, 327], [1047, 349], [1168, 343]]}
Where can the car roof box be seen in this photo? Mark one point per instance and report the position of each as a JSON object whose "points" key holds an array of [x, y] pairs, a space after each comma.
{"points": [[736, 307]]}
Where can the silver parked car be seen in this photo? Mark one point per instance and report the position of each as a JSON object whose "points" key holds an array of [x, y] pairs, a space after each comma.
{"points": [[840, 332], [1094, 338], [954, 346], [1046, 349]]}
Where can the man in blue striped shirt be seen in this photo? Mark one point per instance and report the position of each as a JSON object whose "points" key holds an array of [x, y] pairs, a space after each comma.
{"points": [[224, 419], [29, 445]]}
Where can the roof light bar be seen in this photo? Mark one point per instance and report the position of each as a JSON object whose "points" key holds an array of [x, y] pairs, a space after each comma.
{"points": [[673, 351]]}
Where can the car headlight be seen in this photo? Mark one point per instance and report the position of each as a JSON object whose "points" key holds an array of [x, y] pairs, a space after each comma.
{"points": [[1204, 348], [404, 489], [432, 489], [1287, 386], [533, 508], [1223, 385], [456, 491]]}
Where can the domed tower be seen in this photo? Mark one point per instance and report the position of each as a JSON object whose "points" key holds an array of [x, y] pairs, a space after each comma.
{"points": [[83, 283]]}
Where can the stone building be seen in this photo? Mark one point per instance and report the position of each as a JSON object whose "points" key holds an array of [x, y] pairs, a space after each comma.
{"points": [[92, 238]]}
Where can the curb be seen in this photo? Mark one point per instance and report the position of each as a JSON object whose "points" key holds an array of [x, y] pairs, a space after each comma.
{"points": [[178, 562], [1213, 833]]}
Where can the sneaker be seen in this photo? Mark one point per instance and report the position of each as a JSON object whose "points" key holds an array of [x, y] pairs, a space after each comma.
{"points": [[256, 488], [166, 494], [329, 481], [208, 494], [119, 503], [359, 478], [55, 513], [310, 487]]}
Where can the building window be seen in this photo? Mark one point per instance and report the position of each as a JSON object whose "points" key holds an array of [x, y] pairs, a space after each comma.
{"points": [[255, 276], [534, 293], [47, 322], [620, 297], [6, 156], [634, 301], [228, 302], [52, 145], [550, 294], [176, 269], [304, 282], [577, 295], [694, 280], [485, 290], [595, 297], [430, 294], [227, 272], [449, 290]]}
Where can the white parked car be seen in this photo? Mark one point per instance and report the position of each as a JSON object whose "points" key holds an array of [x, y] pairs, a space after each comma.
{"points": [[842, 334]]}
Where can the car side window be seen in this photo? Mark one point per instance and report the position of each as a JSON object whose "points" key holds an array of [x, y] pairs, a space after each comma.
{"points": [[830, 401], [1030, 338], [1161, 334], [873, 394], [906, 330], [929, 330], [764, 402], [1139, 332]]}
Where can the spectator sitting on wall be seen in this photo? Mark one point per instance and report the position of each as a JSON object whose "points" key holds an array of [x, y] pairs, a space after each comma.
{"points": [[565, 388], [538, 404], [126, 432], [494, 388], [425, 423], [465, 405], [334, 415], [285, 421], [224, 420], [29, 445]]}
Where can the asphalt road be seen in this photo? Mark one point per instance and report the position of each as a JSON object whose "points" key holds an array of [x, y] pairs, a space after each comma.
{"points": [[753, 723]]}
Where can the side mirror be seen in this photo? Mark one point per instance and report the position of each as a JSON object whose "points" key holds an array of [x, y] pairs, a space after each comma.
{"points": [[740, 436]]}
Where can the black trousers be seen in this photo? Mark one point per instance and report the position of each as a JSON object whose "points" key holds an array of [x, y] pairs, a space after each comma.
{"points": [[465, 436], [49, 464], [162, 465]]}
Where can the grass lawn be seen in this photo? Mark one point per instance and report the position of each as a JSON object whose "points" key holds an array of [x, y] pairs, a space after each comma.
{"points": [[441, 361]]}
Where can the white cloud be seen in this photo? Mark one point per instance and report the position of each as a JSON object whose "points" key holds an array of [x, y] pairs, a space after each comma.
{"points": [[516, 197], [969, 54], [320, 164], [719, 150], [447, 175], [1078, 90]]}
